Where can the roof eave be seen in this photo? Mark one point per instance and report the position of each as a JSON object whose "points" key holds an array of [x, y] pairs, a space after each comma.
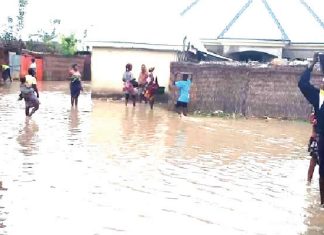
{"points": [[134, 45], [247, 41], [307, 45]]}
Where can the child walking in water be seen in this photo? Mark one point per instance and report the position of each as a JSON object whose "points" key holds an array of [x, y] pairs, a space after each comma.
{"points": [[129, 82], [31, 80], [312, 148], [151, 89], [28, 94]]}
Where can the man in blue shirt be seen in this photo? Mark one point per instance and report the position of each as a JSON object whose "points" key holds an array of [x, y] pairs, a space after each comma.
{"points": [[184, 94]]}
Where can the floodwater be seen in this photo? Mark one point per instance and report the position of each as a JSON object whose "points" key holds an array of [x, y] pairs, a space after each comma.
{"points": [[109, 169]]}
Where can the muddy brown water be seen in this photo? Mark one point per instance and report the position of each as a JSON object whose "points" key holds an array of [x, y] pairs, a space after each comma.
{"points": [[109, 169]]}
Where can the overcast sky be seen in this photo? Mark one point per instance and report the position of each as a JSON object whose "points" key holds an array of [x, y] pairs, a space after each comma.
{"points": [[111, 15], [160, 20]]}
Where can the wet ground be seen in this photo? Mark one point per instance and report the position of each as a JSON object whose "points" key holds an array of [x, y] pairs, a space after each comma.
{"points": [[107, 169]]}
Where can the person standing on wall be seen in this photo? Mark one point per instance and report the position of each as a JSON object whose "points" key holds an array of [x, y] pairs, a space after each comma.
{"points": [[315, 96]]}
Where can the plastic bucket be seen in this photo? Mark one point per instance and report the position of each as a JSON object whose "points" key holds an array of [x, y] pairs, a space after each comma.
{"points": [[160, 90]]}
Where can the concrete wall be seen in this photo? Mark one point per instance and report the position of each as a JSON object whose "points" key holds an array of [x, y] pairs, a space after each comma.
{"points": [[251, 91], [108, 66], [298, 53], [56, 67], [292, 51]]}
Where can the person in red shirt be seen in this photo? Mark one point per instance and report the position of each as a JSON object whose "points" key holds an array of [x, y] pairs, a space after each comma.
{"points": [[150, 91]]}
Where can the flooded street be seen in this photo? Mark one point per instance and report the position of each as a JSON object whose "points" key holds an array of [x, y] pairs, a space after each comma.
{"points": [[109, 169]]}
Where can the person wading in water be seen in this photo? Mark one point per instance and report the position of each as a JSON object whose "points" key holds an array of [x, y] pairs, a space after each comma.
{"points": [[184, 94], [312, 148], [28, 94], [75, 84], [315, 96], [129, 84], [142, 80], [6, 72]]}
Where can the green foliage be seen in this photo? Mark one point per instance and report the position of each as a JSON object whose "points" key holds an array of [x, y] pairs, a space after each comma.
{"points": [[21, 16], [51, 47], [13, 32], [44, 41], [68, 45], [45, 36], [8, 33]]}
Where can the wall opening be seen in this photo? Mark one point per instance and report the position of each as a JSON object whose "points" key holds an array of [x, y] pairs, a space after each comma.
{"points": [[246, 56]]}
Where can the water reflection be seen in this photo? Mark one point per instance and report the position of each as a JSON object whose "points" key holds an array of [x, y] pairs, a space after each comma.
{"points": [[74, 120], [27, 137], [128, 124]]}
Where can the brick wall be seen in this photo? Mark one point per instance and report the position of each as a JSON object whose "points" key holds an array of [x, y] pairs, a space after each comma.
{"points": [[56, 67], [3, 56], [247, 90]]}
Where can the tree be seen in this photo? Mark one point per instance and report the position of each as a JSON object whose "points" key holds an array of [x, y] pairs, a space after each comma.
{"points": [[69, 44], [45, 40], [13, 32], [21, 17], [11, 35], [8, 33], [45, 36]]}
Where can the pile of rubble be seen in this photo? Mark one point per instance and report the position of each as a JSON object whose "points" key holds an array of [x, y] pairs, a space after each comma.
{"points": [[274, 62]]}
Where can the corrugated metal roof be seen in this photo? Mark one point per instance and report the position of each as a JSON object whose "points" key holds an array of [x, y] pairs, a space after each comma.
{"points": [[299, 20], [260, 26]]}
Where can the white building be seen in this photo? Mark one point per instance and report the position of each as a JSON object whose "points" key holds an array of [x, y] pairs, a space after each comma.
{"points": [[109, 60]]}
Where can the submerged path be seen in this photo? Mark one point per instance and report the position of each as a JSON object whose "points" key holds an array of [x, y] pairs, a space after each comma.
{"points": [[107, 169]]}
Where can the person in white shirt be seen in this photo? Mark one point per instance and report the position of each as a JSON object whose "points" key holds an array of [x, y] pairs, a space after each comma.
{"points": [[33, 66]]}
